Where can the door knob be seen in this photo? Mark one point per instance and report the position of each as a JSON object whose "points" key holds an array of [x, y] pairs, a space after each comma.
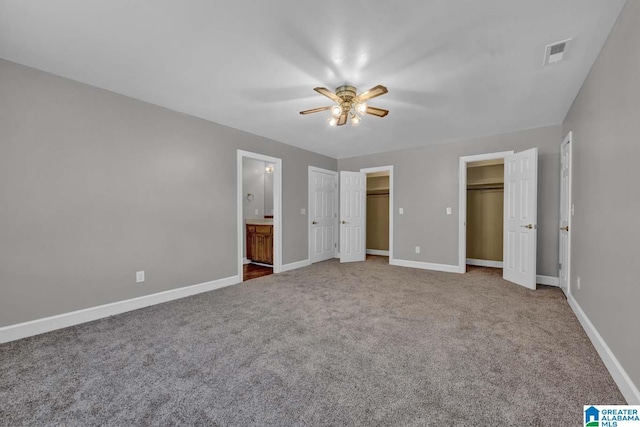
{"points": [[313, 222], [564, 228], [529, 226], [344, 222]]}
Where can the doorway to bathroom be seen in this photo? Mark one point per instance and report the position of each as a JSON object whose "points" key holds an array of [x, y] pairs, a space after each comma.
{"points": [[259, 215]]}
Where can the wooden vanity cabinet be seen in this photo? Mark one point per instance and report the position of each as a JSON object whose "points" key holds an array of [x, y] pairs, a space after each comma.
{"points": [[260, 243]]}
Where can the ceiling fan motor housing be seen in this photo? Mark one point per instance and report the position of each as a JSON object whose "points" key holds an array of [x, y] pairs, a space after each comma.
{"points": [[348, 95], [346, 92]]}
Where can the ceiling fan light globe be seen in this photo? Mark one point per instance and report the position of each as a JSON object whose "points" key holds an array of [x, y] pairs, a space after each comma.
{"points": [[355, 121], [333, 121], [336, 110], [361, 108]]}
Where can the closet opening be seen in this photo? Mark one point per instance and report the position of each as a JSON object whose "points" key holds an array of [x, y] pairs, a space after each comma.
{"points": [[378, 192], [485, 213]]}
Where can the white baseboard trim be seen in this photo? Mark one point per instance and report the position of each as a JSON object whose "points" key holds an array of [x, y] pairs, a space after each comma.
{"points": [[425, 265], [48, 324], [484, 263], [628, 389], [548, 280], [377, 252], [246, 261], [295, 265]]}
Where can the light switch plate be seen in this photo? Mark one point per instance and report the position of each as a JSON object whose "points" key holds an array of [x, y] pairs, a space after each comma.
{"points": [[139, 276], [257, 212], [448, 211], [417, 249], [401, 211], [303, 211]]}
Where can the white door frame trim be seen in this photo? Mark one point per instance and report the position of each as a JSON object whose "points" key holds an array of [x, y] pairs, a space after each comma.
{"points": [[335, 209], [568, 140], [462, 202], [277, 208], [389, 169]]}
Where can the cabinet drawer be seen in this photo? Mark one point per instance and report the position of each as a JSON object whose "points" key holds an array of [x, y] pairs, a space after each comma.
{"points": [[264, 229]]}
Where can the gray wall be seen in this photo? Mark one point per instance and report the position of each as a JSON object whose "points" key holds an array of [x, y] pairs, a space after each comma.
{"points": [[605, 121], [95, 186], [426, 183]]}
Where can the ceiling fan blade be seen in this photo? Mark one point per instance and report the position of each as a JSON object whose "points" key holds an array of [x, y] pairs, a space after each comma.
{"points": [[326, 92], [371, 93], [315, 110], [377, 111], [343, 118]]}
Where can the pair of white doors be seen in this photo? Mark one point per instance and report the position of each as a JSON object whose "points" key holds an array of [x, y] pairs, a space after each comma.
{"points": [[351, 232], [521, 184], [520, 217]]}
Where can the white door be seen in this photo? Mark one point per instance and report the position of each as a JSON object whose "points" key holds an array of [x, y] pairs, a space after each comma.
{"points": [[520, 217], [565, 212], [322, 214], [353, 195]]}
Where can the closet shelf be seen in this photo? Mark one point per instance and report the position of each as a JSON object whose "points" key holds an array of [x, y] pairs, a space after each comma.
{"points": [[492, 182]]}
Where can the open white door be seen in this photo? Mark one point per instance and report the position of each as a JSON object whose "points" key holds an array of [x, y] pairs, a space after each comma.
{"points": [[353, 193], [565, 218], [323, 187], [520, 217]]}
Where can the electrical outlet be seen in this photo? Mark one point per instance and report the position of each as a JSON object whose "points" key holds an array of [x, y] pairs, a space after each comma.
{"points": [[257, 211], [401, 211], [303, 211], [417, 249], [578, 282], [139, 276]]}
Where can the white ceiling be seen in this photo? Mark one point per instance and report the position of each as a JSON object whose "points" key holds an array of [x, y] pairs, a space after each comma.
{"points": [[455, 69]]}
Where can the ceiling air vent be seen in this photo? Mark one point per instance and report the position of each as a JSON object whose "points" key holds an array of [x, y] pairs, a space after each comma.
{"points": [[556, 52]]}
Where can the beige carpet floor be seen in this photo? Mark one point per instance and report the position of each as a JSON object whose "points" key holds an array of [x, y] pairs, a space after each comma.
{"points": [[330, 344]]}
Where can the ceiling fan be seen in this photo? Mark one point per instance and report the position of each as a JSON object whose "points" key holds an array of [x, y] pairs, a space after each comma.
{"points": [[349, 104]]}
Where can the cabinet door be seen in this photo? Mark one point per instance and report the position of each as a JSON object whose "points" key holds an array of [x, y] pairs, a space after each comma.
{"points": [[251, 244], [268, 248], [260, 248]]}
